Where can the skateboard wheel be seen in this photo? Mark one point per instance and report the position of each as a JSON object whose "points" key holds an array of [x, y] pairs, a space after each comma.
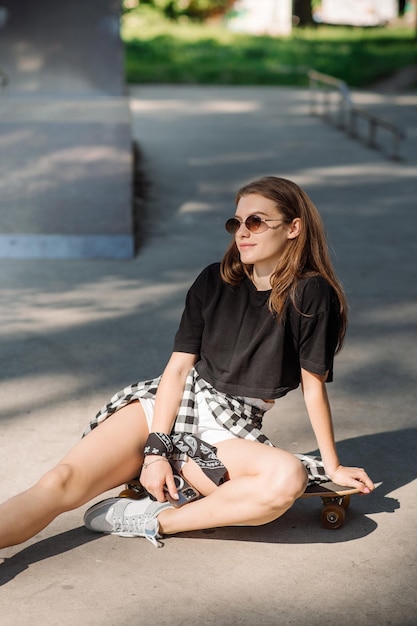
{"points": [[133, 490], [129, 493], [332, 516]]}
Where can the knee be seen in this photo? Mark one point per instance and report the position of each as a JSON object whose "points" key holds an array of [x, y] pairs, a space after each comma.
{"points": [[285, 483], [62, 482]]}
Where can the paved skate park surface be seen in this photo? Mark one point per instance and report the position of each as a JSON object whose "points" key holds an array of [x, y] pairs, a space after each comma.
{"points": [[75, 331]]}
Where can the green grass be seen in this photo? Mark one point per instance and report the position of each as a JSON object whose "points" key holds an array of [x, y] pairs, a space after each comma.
{"points": [[157, 51]]}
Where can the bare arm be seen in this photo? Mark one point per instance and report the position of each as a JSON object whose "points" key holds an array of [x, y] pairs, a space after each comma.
{"points": [[167, 401], [318, 408], [170, 391]]}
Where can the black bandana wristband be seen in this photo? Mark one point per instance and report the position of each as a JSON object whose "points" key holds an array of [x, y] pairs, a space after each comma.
{"points": [[158, 443]]}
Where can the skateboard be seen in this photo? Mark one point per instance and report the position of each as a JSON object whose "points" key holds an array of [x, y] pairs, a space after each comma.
{"points": [[335, 499], [133, 490]]}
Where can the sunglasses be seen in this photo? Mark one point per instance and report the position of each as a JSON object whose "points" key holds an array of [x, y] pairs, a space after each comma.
{"points": [[253, 223]]}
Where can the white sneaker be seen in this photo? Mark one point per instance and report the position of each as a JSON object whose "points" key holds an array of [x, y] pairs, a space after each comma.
{"points": [[127, 518]]}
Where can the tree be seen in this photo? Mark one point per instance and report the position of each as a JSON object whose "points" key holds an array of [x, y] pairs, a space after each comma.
{"points": [[195, 9], [303, 10]]}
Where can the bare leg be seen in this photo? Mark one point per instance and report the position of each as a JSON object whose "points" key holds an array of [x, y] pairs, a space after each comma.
{"points": [[106, 458], [264, 482]]}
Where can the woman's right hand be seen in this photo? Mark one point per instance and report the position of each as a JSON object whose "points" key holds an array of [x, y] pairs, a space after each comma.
{"points": [[157, 477]]}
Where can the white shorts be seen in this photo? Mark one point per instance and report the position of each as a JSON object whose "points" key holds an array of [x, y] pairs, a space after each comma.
{"points": [[209, 430]]}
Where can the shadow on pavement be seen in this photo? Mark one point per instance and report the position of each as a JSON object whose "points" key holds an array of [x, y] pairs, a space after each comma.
{"points": [[45, 549]]}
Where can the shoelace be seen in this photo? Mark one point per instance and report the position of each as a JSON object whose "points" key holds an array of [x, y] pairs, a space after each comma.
{"points": [[136, 525]]}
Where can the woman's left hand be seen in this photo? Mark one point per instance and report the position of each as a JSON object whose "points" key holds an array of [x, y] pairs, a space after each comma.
{"points": [[355, 477]]}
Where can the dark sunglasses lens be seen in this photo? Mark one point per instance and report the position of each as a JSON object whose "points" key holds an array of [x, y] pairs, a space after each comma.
{"points": [[253, 223], [232, 225]]}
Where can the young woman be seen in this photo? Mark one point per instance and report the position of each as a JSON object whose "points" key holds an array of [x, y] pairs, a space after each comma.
{"points": [[270, 316]]}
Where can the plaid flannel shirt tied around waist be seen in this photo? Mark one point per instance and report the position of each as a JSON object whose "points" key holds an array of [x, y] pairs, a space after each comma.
{"points": [[234, 413]]}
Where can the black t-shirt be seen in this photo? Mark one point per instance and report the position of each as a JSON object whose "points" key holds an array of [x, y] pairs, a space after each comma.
{"points": [[243, 349]]}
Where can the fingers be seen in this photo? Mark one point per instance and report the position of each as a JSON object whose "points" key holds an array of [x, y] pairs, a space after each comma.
{"points": [[171, 487], [363, 481], [354, 477], [368, 484], [158, 479]]}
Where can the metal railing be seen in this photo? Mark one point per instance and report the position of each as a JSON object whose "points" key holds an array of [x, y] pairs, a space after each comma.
{"points": [[332, 97]]}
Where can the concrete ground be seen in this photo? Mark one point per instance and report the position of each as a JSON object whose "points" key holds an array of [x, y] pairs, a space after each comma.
{"points": [[73, 332]]}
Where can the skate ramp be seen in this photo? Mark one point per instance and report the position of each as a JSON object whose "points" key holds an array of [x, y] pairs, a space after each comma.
{"points": [[65, 136], [68, 47]]}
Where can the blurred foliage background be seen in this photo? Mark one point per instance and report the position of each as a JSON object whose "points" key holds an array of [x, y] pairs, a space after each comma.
{"points": [[188, 41]]}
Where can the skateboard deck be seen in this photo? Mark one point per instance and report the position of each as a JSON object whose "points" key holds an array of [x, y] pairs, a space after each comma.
{"points": [[335, 499]]}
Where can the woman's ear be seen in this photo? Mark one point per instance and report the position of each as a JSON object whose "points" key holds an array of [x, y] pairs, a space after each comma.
{"points": [[294, 228]]}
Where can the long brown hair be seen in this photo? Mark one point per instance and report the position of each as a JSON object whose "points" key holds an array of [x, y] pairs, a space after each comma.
{"points": [[305, 255]]}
